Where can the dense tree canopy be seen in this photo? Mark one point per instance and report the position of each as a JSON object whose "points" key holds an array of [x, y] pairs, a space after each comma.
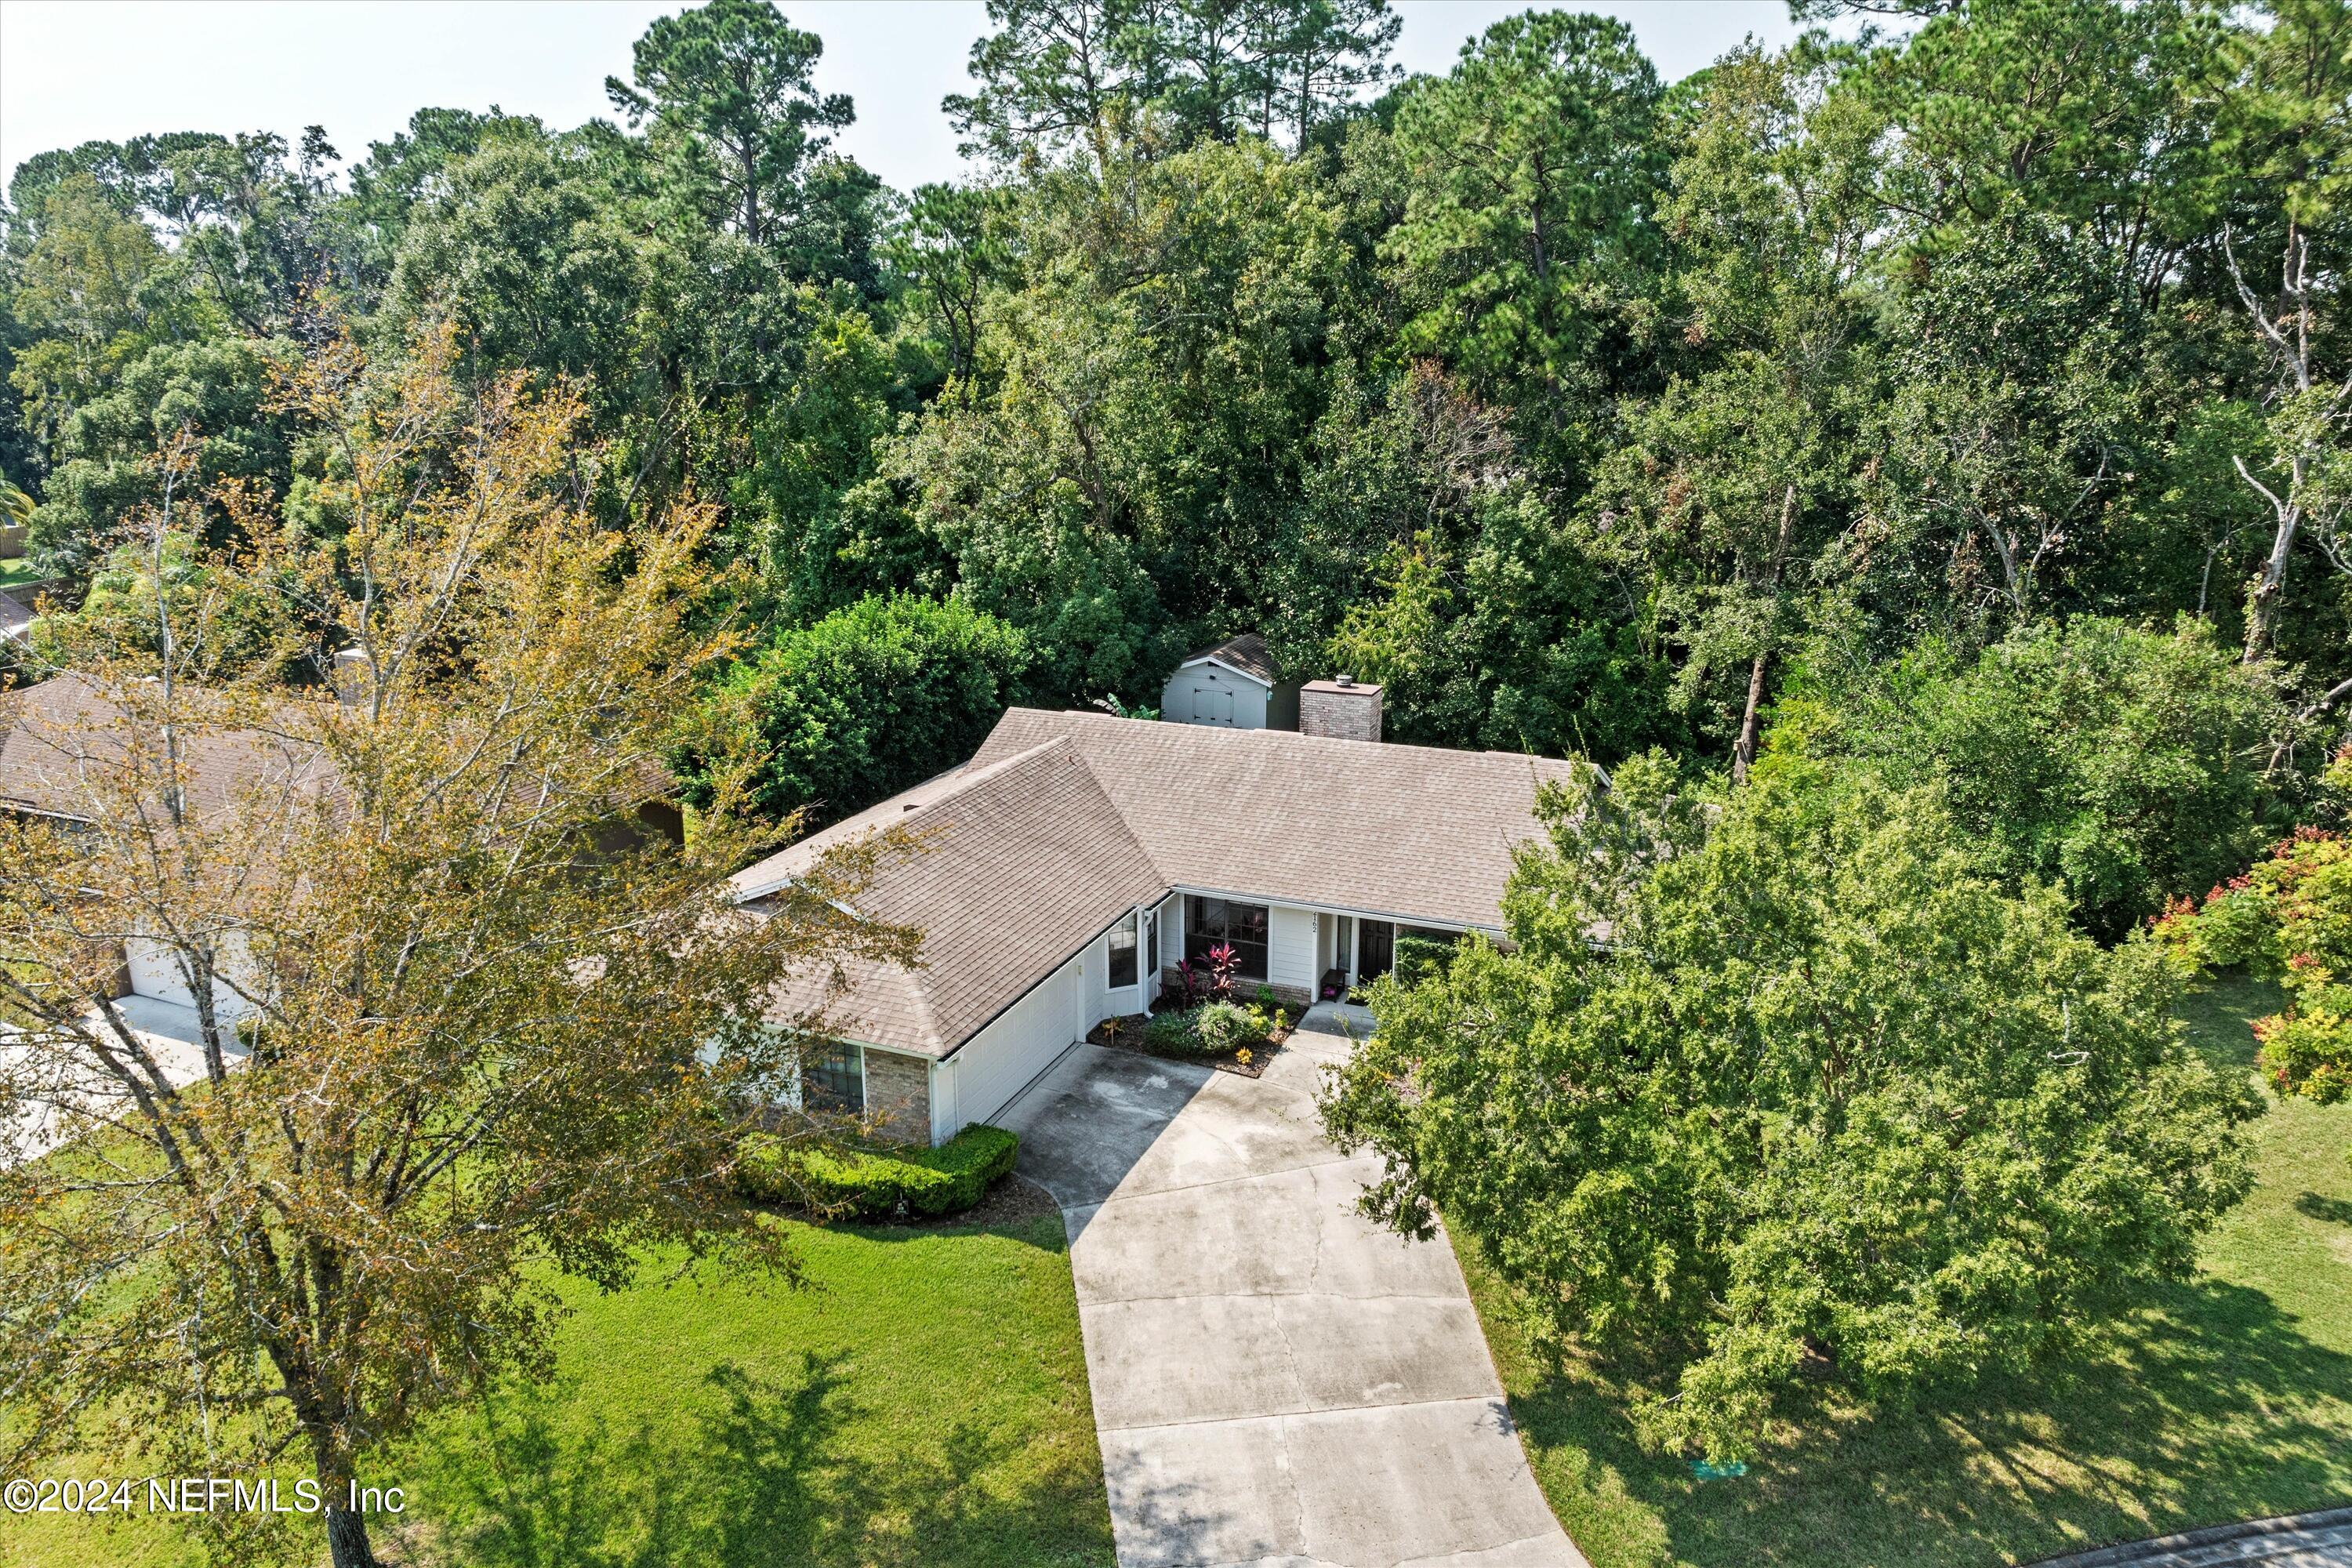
{"points": [[1934, 436], [1784, 1079]]}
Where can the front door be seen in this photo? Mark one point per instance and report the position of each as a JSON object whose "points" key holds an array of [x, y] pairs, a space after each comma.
{"points": [[1375, 950]]}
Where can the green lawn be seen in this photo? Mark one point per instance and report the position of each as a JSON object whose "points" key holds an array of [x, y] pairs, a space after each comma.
{"points": [[18, 573], [2231, 1400], [926, 1404]]}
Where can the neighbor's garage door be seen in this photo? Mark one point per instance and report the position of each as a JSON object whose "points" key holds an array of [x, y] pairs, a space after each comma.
{"points": [[155, 972], [999, 1061]]}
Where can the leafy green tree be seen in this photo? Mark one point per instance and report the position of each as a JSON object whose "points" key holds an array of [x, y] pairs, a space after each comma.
{"points": [[735, 113], [1128, 466], [2012, 438], [93, 291], [1535, 167], [1726, 497], [527, 252], [1779, 1082], [2288, 119], [1053, 76], [400, 176], [2098, 115], [822, 527], [2124, 766], [874, 697], [212, 395], [950, 250], [1454, 585], [1060, 75]]}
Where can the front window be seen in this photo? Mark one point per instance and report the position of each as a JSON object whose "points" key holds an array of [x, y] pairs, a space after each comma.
{"points": [[832, 1078], [1122, 952], [1211, 921]]}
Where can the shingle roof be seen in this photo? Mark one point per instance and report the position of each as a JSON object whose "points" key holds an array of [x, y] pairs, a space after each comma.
{"points": [[1063, 821], [1246, 653], [52, 735], [1019, 865], [1417, 833], [57, 735]]}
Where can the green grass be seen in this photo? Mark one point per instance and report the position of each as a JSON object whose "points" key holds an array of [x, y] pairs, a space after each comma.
{"points": [[18, 573], [2230, 1400], [925, 1404]]}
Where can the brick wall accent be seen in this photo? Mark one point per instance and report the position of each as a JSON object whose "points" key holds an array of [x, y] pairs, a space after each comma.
{"points": [[899, 1094], [1294, 998], [1341, 712]]}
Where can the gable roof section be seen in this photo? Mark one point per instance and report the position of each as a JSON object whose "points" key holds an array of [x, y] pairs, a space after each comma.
{"points": [[1020, 864], [51, 734], [1244, 655], [54, 735], [1414, 832]]}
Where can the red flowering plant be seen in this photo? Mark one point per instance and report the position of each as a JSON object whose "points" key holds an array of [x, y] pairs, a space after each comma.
{"points": [[1225, 964], [2289, 918]]}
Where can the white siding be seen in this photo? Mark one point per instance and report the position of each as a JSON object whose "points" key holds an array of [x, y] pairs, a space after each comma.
{"points": [[1208, 693], [1290, 947], [1104, 1001], [1024, 1040], [1097, 961], [944, 1120]]}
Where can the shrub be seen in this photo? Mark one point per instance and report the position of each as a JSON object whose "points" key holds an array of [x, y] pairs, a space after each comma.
{"points": [[877, 1183], [877, 696], [2123, 765], [1209, 1030], [2288, 919], [1171, 1032], [1416, 956], [1221, 1025]]}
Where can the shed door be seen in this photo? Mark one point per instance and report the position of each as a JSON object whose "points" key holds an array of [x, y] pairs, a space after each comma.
{"points": [[1001, 1059], [1211, 704]]}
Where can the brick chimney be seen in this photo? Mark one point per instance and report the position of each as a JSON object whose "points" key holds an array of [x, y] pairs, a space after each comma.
{"points": [[1339, 709]]}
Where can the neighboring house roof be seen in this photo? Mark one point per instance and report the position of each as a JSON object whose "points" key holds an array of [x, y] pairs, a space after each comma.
{"points": [[1244, 655], [1016, 866], [1062, 821], [1415, 832], [52, 732]]}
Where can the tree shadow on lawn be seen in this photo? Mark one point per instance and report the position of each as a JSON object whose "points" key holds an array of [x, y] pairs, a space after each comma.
{"points": [[2210, 1407], [2320, 1206], [759, 1474]]}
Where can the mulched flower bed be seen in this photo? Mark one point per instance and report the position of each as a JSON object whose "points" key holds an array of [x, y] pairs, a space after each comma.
{"points": [[1128, 1037]]}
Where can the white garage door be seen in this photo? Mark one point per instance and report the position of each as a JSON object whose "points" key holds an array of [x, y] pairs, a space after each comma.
{"points": [[999, 1061], [155, 972]]}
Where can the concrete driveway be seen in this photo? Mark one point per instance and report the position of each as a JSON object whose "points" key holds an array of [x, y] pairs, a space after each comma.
{"points": [[1277, 1384]]}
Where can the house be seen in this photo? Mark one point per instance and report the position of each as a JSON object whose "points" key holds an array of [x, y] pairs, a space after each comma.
{"points": [[1078, 858], [50, 732]]}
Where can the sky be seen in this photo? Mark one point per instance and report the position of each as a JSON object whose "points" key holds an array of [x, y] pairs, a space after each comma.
{"points": [[79, 70]]}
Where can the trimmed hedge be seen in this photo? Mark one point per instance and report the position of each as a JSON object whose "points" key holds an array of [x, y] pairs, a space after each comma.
{"points": [[878, 1184]]}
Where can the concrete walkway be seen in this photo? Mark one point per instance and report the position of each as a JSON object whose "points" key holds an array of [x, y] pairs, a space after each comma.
{"points": [[1277, 1384], [62, 1089], [2322, 1540]]}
